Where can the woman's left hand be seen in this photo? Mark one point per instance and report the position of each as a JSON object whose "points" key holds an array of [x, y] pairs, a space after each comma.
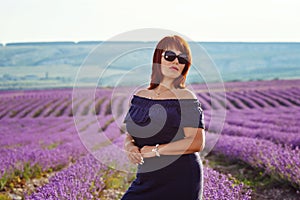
{"points": [[147, 152]]}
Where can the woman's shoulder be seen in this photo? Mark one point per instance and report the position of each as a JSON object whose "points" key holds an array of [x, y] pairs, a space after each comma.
{"points": [[185, 93], [180, 93], [144, 92]]}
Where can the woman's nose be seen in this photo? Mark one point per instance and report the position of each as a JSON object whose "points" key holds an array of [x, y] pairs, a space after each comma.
{"points": [[176, 61]]}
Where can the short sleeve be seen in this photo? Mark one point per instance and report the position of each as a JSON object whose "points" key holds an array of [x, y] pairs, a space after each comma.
{"points": [[136, 114], [192, 115]]}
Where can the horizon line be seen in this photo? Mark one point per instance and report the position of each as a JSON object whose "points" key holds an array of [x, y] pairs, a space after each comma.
{"points": [[100, 41]]}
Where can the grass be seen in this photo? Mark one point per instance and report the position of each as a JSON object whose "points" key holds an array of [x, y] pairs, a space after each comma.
{"points": [[107, 123], [4, 197], [240, 172], [19, 176], [53, 145], [116, 182]]}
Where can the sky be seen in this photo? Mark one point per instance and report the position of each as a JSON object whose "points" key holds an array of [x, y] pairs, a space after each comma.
{"points": [[199, 20]]}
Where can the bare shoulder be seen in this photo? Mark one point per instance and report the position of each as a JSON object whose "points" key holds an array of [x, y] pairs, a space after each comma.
{"points": [[186, 94], [142, 92]]}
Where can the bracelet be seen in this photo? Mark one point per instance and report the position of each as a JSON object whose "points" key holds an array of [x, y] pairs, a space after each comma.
{"points": [[156, 150]]}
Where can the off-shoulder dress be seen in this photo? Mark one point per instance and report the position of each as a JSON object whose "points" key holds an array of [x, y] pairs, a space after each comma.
{"points": [[160, 121]]}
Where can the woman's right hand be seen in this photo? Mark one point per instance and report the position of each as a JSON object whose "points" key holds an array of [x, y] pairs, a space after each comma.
{"points": [[134, 154]]}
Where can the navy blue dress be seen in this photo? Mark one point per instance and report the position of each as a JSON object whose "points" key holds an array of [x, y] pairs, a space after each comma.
{"points": [[168, 177]]}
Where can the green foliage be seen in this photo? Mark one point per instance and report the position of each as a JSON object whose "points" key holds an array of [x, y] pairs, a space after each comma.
{"points": [[86, 109], [28, 171], [53, 145], [108, 110], [18, 176], [98, 106], [4, 197], [49, 146], [117, 179], [75, 107], [13, 113], [240, 172], [38, 112], [116, 182], [107, 123], [62, 110], [3, 181]]}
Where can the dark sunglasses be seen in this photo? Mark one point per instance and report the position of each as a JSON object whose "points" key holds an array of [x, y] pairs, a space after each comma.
{"points": [[170, 56]]}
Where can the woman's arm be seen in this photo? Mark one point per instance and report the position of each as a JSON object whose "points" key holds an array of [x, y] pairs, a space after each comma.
{"points": [[194, 141], [129, 141], [132, 151]]}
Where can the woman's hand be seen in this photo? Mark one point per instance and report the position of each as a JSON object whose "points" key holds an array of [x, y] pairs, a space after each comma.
{"points": [[134, 155], [147, 152], [133, 152]]}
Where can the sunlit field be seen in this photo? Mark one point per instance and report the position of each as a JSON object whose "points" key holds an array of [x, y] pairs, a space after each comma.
{"points": [[43, 157]]}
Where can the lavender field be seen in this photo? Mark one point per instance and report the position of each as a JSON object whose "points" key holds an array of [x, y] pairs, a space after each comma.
{"points": [[42, 156]]}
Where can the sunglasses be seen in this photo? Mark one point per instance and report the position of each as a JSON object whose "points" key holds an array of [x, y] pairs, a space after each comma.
{"points": [[170, 56]]}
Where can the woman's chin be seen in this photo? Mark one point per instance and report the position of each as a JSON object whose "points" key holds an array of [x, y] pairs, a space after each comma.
{"points": [[173, 75]]}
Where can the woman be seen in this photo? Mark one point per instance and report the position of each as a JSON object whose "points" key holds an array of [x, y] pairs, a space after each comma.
{"points": [[165, 130]]}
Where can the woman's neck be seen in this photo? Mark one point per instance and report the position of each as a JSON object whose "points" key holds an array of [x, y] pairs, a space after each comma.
{"points": [[167, 83]]}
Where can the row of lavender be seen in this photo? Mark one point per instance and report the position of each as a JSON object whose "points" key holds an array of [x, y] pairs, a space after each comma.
{"points": [[281, 162], [55, 103], [262, 128], [266, 138], [54, 143], [67, 184], [49, 142], [278, 125], [36, 138]]}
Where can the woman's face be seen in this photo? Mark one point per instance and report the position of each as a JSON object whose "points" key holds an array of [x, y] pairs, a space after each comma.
{"points": [[171, 69]]}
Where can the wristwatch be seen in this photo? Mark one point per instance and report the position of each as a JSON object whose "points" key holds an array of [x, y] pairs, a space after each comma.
{"points": [[156, 150]]}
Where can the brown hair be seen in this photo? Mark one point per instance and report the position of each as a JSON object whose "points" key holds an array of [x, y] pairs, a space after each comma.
{"points": [[178, 43]]}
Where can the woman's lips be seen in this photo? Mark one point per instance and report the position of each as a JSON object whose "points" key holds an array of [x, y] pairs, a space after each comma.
{"points": [[175, 68]]}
